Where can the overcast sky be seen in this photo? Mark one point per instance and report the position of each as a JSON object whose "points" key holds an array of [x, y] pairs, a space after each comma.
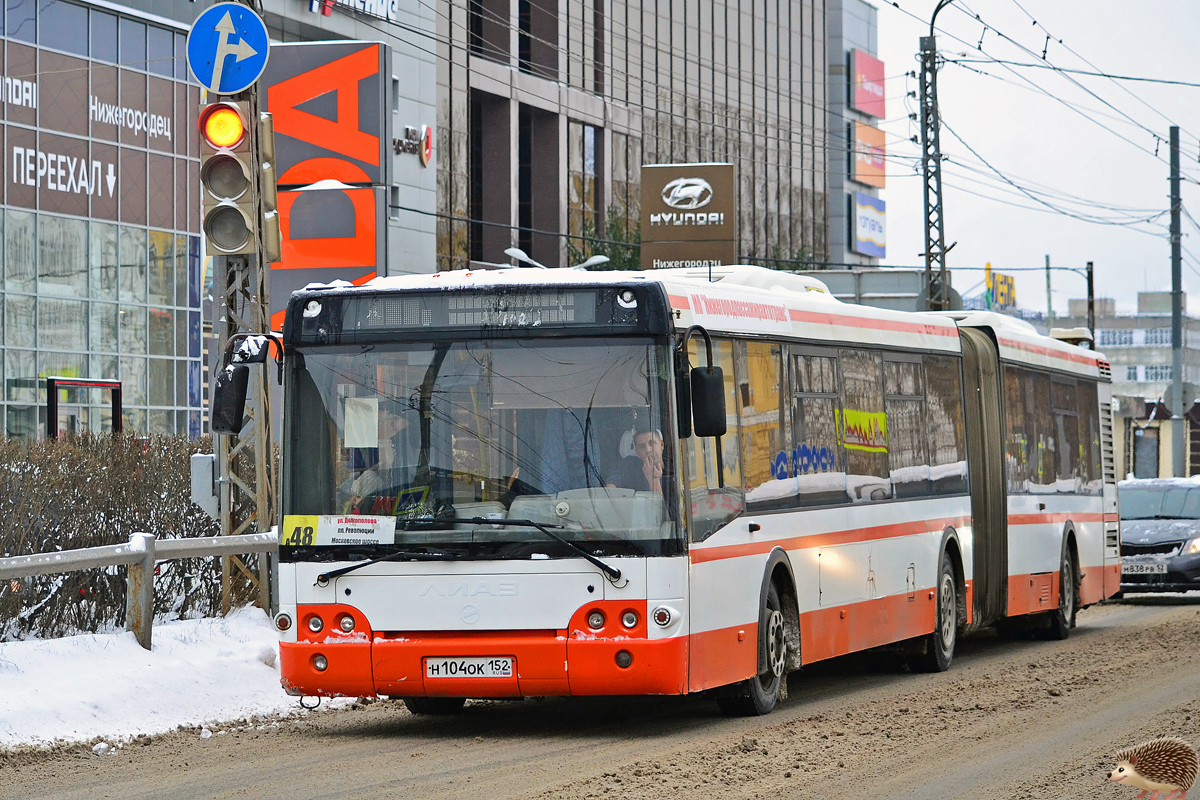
{"points": [[1040, 143]]}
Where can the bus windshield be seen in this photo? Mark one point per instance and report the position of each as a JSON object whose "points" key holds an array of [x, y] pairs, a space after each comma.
{"points": [[442, 435]]}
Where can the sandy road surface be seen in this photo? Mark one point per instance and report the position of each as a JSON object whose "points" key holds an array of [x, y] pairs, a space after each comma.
{"points": [[1010, 720]]}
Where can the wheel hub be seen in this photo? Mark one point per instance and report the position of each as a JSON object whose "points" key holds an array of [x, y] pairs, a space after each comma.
{"points": [[776, 644]]}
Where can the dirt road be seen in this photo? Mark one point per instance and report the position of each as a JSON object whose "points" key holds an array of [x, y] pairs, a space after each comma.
{"points": [[1009, 720]]}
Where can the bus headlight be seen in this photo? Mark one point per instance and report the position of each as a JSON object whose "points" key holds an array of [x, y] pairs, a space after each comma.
{"points": [[320, 663], [629, 619], [315, 624], [283, 622], [595, 620], [346, 623], [662, 616]]}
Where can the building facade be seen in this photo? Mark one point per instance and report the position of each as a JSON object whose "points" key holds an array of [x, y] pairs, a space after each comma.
{"points": [[101, 260], [1139, 349], [548, 108], [857, 149]]}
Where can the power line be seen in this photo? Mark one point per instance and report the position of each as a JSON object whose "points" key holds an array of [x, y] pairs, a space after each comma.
{"points": [[1082, 72]]}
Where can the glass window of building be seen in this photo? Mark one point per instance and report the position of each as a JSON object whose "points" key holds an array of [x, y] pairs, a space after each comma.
{"points": [[133, 264], [62, 324], [104, 36], [583, 190], [160, 51], [103, 261], [21, 20], [133, 43], [62, 256], [161, 257], [103, 328], [64, 26], [19, 321], [20, 257]]}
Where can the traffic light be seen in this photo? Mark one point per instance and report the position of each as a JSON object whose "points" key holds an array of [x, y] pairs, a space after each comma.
{"points": [[227, 173]]}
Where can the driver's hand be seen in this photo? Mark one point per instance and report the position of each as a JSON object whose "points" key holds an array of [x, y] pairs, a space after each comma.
{"points": [[652, 469]]}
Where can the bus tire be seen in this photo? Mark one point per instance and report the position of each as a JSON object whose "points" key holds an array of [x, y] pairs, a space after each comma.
{"points": [[759, 695], [1063, 618], [435, 706], [939, 645]]}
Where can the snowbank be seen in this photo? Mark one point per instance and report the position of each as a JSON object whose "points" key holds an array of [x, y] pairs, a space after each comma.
{"points": [[80, 687]]}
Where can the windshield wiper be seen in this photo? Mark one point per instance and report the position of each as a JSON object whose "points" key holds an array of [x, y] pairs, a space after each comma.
{"points": [[612, 572], [402, 555]]}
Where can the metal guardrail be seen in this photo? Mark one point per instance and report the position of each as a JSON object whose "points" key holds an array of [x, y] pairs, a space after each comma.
{"points": [[140, 554]]}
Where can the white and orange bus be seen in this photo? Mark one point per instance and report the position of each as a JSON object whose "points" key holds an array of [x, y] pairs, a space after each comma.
{"points": [[506, 483]]}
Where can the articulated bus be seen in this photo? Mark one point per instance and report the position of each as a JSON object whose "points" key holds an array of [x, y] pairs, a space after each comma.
{"points": [[516, 482]]}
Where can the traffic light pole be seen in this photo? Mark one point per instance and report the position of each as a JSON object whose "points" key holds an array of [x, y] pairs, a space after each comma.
{"points": [[246, 461]]}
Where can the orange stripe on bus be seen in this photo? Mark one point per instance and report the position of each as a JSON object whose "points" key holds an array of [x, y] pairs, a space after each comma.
{"points": [[679, 301], [1057, 516], [723, 656], [1046, 351], [825, 318], [702, 555]]}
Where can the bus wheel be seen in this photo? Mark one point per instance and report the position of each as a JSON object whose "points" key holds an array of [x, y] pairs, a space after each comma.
{"points": [[939, 645], [440, 706], [1063, 619], [759, 695]]}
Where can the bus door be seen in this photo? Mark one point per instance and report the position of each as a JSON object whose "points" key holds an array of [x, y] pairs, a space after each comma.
{"points": [[985, 461]]}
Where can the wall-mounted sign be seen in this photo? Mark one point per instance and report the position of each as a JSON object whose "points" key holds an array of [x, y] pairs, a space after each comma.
{"points": [[383, 9], [689, 215], [866, 87], [332, 137], [418, 141], [329, 101], [96, 140], [868, 159], [869, 220], [1001, 289]]}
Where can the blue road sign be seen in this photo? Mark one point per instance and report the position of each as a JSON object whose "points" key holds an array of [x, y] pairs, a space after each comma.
{"points": [[227, 48]]}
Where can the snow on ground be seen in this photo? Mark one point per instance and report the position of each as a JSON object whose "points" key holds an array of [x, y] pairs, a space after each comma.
{"points": [[201, 671]]}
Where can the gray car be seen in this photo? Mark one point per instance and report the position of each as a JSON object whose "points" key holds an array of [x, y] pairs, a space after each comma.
{"points": [[1160, 535]]}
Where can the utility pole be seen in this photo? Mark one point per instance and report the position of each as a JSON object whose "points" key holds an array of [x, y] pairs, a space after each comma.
{"points": [[245, 461], [1049, 298], [1177, 403], [1091, 281]]}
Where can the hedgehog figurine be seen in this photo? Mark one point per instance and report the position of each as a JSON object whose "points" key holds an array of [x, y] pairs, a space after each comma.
{"points": [[1162, 765]]}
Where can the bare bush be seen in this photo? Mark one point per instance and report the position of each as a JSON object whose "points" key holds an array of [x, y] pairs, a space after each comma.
{"points": [[97, 490]]}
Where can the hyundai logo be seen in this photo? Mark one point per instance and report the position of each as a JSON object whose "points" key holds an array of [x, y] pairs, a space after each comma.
{"points": [[687, 193]]}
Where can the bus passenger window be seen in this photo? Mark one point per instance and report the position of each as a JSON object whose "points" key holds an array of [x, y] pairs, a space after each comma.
{"points": [[944, 419], [863, 425], [1066, 434], [817, 461], [765, 460], [908, 464], [1018, 442], [714, 491], [1089, 438]]}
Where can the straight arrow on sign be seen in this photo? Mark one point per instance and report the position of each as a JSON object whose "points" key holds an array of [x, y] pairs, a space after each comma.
{"points": [[239, 51]]}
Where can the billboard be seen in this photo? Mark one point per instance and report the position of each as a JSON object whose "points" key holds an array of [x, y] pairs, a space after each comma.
{"points": [[1001, 289], [333, 149], [869, 222], [866, 87], [689, 215], [868, 157]]}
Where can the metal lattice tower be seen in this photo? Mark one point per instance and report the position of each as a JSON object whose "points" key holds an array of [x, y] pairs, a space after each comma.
{"points": [[246, 462], [931, 163]]}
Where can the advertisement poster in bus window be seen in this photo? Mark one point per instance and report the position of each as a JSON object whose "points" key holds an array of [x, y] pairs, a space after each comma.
{"points": [[863, 430]]}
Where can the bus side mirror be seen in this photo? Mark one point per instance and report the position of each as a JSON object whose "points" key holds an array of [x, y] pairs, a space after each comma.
{"points": [[708, 401], [683, 398], [229, 399]]}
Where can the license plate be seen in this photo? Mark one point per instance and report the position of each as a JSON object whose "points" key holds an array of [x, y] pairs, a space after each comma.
{"points": [[1143, 569], [491, 667]]}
